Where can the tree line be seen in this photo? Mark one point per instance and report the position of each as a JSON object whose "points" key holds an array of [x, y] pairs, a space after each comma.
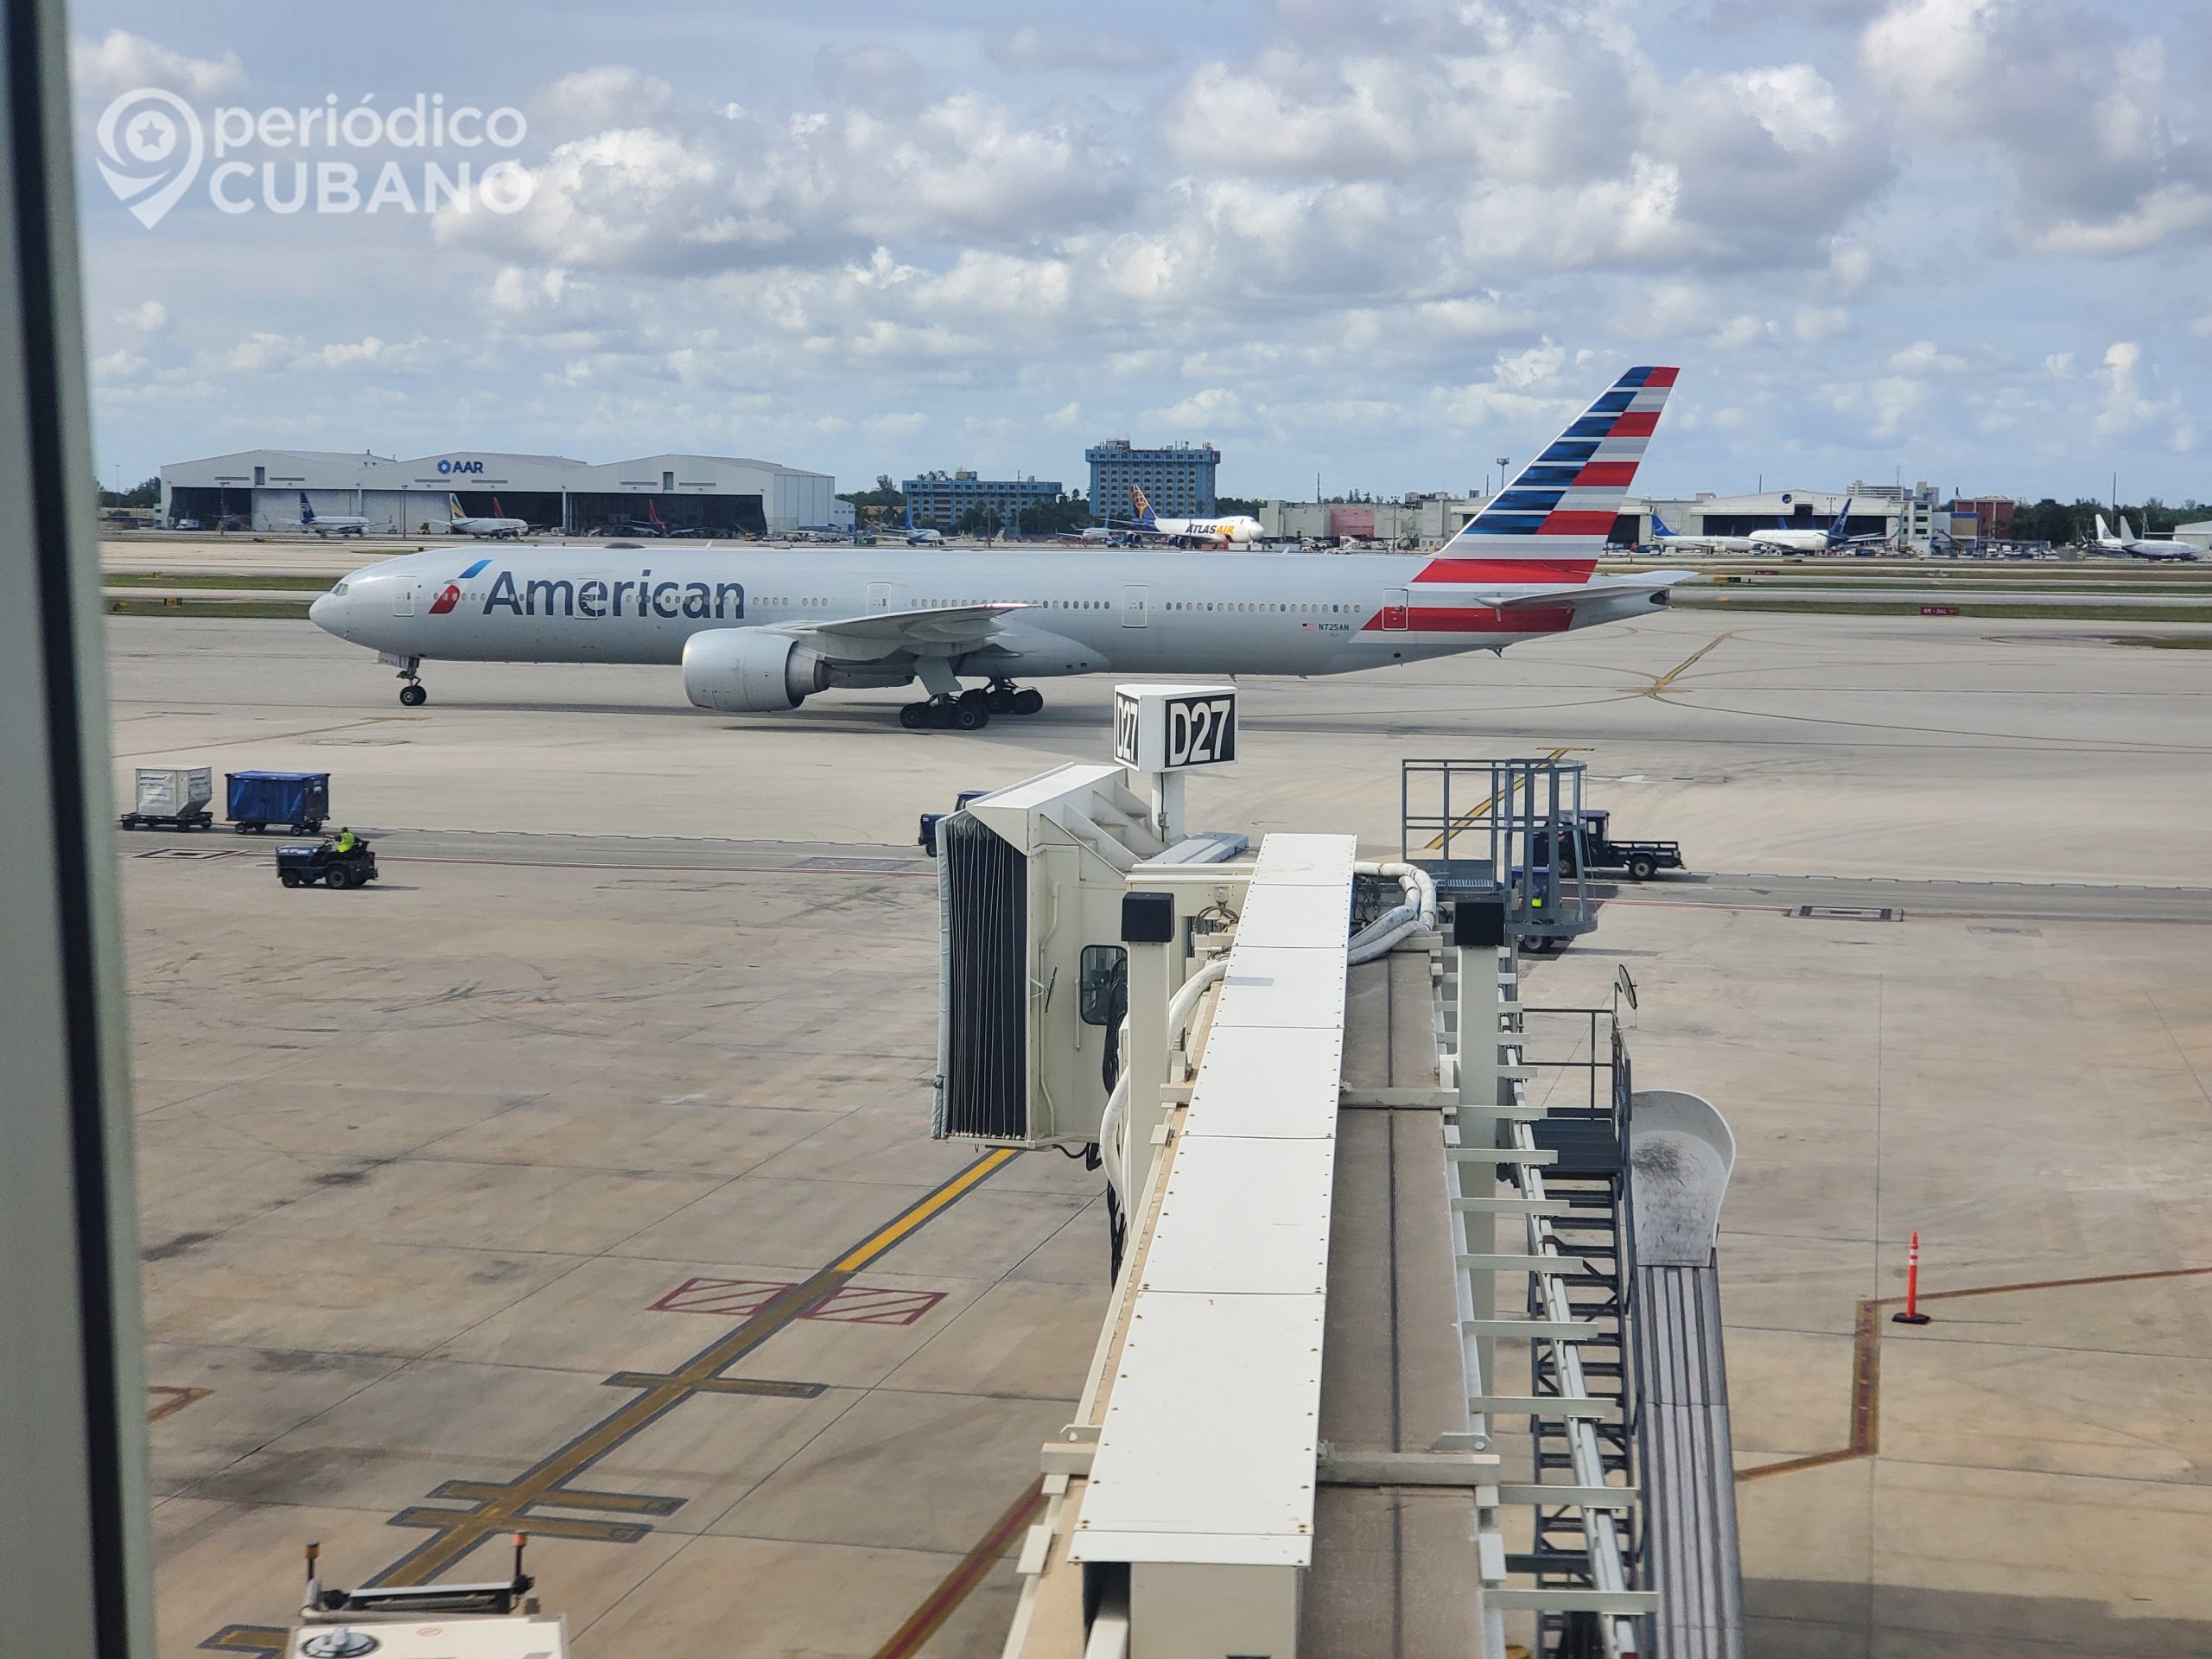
{"points": [[2059, 523]]}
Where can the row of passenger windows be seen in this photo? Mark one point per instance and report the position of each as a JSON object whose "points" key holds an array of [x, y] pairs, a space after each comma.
{"points": [[1294, 610], [1104, 605]]}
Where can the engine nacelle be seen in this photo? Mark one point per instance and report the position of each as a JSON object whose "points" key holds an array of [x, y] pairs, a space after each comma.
{"points": [[751, 671]]}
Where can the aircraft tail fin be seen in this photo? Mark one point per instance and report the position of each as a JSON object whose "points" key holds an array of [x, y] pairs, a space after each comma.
{"points": [[2103, 535], [453, 509], [1659, 526], [652, 514], [1552, 520], [2126, 534], [307, 509], [1146, 519], [1835, 530]]}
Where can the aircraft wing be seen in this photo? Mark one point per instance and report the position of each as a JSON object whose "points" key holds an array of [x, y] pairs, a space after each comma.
{"points": [[939, 630]]}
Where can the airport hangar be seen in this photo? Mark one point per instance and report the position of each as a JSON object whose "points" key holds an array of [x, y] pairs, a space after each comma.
{"points": [[726, 494], [1908, 514]]}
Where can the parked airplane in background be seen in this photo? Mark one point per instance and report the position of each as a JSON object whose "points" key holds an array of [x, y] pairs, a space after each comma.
{"points": [[759, 631], [1782, 538], [2128, 544], [310, 520], [1662, 536], [500, 528], [652, 526], [921, 537], [1229, 530]]}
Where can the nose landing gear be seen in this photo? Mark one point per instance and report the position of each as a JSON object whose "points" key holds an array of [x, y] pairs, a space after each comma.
{"points": [[412, 694]]}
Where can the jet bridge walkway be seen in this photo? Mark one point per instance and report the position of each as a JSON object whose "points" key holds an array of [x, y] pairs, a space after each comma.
{"points": [[1295, 1437]]}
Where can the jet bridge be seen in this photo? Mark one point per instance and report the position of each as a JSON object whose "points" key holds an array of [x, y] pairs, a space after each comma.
{"points": [[1362, 1183]]}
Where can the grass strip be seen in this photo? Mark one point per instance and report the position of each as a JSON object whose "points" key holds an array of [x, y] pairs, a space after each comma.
{"points": [[226, 608], [2054, 611], [187, 579]]}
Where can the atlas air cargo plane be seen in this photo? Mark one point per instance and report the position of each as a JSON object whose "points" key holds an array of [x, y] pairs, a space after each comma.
{"points": [[759, 630]]}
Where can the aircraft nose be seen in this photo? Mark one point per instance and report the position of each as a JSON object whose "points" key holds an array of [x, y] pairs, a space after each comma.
{"points": [[324, 612]]}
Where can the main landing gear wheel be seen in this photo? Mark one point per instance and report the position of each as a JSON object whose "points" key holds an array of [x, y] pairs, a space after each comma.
{"points": [[413, 697], [966, 713], [1028, 703], [1005, 698]]}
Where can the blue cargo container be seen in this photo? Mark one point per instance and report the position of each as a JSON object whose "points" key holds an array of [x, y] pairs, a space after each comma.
{"points": [[298, 800]]}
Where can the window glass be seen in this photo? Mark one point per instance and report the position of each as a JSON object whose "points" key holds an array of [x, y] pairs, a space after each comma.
{"points": [[1102, 969]]}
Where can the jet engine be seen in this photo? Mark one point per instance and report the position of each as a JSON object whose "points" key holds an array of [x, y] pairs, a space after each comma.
{"points": [[751, 671]]}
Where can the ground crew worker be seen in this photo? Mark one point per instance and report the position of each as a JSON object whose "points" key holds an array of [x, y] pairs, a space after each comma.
{"points": [[347, 840]]}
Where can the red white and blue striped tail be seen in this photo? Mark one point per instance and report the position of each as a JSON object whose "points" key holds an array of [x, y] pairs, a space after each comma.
{"points": [[1551, 522]]}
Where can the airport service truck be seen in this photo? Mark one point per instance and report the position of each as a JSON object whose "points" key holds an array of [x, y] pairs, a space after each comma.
{"points": [[1594, 848]]}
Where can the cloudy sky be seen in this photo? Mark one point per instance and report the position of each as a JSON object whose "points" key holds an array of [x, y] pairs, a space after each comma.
{"points": [[1382, 240]]}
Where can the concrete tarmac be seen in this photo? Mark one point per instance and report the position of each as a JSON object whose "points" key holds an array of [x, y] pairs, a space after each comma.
{"points": [[575, 1178], [1930, 748]]}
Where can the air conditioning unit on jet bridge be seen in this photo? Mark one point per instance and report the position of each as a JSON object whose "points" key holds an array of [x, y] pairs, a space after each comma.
{"points": [[1032, 985]]}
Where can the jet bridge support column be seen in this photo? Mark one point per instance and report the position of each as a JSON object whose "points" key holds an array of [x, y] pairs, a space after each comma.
{"points": [[1478, 935], [1150, 927]]}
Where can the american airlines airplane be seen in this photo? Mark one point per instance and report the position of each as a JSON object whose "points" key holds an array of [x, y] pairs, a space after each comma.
{"points": [[341, 528], [1229, 530], [460, 524], [759, 630]]}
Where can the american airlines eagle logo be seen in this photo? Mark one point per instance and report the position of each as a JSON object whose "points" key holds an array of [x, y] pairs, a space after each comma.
{"points": [[445, 601]]}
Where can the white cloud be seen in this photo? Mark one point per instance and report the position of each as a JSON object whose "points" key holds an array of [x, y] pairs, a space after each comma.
{"points": [[117, 365], [1214, 408], [2076, 111], [1820, 321], [738, 189], [265, 352], [149, 317], [1031, 48], [593, 100], [120, 61], [2128, 407], [257, 352], [1747, 329], [873, 72], [1539, 363], [1922, 357]]}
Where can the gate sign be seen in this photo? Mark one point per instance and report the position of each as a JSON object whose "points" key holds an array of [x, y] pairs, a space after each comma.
{"points": [[1175, 727]]}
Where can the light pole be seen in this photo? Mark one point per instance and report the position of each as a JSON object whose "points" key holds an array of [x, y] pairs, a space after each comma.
{"points": [[1503, 461]]}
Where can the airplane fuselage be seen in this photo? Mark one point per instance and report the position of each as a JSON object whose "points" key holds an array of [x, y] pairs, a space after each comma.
{"points": [[1082, 613]]}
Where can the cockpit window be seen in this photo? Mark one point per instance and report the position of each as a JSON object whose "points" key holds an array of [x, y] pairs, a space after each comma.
{"points": [[339, 589]]}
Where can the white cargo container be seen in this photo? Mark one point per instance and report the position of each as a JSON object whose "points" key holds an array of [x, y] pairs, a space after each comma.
{"points": [[167, 794]]}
